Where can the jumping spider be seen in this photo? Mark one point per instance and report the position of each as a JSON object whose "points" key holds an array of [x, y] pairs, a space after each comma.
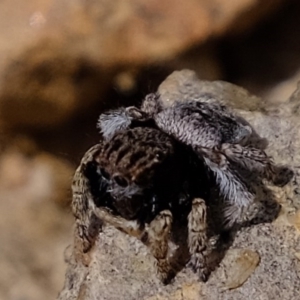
{"points": [[216, 135], [139, 181], [155, 165]]}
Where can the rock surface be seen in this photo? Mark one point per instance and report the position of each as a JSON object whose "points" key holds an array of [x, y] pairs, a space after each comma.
{"points": [[264, 254], [243, 264]]}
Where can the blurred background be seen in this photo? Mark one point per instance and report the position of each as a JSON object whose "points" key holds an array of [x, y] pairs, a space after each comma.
{"points": [[63, 62]]}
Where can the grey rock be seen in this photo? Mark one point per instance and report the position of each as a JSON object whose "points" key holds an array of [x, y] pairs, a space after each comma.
{"points": [[120, 267]]}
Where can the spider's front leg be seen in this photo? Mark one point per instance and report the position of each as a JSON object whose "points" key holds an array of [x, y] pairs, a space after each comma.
{"points": [[156, 237], [197, 238], [130, 227], [152, 104], [87, 226]]}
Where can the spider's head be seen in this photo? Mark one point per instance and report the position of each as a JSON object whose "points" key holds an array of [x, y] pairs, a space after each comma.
{"points": [[135, 161], [128, 197]]}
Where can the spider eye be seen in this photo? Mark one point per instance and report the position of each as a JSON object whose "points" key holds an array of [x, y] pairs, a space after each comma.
{"points": [[104, 174], [121, 181], [159, 155]]}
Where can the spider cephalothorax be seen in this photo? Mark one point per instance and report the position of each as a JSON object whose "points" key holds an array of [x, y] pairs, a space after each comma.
{"points": [[141, 164]]}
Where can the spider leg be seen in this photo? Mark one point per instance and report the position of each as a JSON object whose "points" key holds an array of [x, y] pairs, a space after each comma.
{"points": [[197, 238], [232, 214], [232, 186], [113, 121], [156, 238], [136, 114], [130, 227], [258, 161], [152, 104], [87, 226], [239, 135]]}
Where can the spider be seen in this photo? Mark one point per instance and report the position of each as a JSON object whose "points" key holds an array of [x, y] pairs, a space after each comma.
{"points": [[216, 135], [139, 180], [154, 166]]}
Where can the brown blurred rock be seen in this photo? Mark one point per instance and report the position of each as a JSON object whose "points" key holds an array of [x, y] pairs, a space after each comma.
{"points": [[40, 176], [266, 59], [61, 174], [34, 229], [203, 60], [279, 93], [44, 79], [141, 32], [17, 31], [48, 84], [65, 59]]}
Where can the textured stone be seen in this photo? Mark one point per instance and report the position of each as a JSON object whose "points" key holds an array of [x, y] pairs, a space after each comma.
{"points": [[243, 264], [295, 220], [191, 291], [121, 267], [186, 292], [184, 85]]}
